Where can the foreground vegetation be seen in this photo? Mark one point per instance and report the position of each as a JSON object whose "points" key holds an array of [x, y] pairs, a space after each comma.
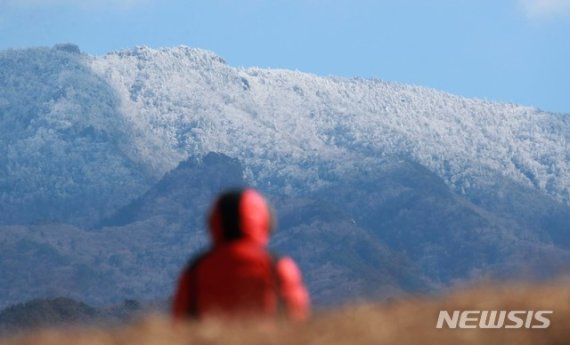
{"points": [[406, 321]]}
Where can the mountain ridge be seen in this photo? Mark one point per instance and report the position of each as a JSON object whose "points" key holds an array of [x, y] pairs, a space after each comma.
{"points": [[256, 100], [108, 165], [141, 111]]}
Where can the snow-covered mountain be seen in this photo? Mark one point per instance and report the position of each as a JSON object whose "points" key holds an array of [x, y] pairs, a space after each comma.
{"points": [[63, 142], [83, 135], [305, 130], [108, 164]]}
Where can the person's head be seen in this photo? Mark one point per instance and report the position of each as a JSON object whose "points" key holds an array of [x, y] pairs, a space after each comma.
{"points": [[240, 214]]}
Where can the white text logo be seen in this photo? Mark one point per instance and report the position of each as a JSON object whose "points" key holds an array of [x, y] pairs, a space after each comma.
{"points": [[494, 319]]}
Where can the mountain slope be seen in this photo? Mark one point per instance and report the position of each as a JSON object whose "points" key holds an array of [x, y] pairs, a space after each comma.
{"points": [[445, 234], [383, 188], [182, 191], [141, 258], [63, 140], [305, 131], [340, 259], [84, 135]]}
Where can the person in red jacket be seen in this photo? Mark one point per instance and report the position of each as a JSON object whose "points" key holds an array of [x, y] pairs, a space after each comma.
{"points": [[239, 276]]}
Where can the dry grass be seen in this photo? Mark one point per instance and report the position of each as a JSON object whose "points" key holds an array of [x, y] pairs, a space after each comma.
{"points": [[410, 321]]}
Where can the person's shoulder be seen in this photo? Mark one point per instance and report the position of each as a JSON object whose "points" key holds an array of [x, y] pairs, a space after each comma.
{"points": [[287, 268]]}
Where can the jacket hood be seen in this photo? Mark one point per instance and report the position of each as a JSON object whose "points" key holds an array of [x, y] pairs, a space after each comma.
{"points": [[240, 215]]}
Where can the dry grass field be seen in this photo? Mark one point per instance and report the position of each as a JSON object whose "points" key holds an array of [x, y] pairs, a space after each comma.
{"points": [[407, 321]]}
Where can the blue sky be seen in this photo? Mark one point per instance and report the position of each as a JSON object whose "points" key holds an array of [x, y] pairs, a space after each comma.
{"points": [[504, 50]]}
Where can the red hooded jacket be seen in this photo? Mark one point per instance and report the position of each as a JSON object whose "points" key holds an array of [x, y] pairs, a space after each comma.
{"points": [[239, 275]]}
